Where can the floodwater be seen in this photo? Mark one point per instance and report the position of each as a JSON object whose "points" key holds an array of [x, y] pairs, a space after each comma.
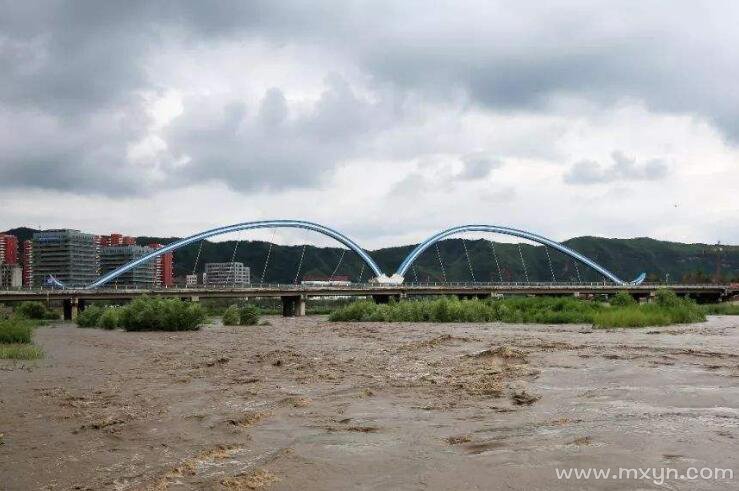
{"points": [[307, 404]]}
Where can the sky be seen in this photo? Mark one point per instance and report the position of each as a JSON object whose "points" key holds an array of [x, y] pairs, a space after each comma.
{"points": [[386, 120]]}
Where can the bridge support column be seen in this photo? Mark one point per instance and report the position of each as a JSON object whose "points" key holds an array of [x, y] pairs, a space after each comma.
{"points": [[470, 296], [293, 306], [70, 307]]}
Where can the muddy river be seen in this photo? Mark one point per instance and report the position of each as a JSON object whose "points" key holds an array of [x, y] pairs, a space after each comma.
{"points": [[306, 404]]}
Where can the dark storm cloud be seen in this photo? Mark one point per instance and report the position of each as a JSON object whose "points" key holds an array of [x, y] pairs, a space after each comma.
{"points": [[623, 168], [78, 69], [266, 147]]}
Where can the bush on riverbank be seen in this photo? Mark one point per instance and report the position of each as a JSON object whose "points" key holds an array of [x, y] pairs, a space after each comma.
{"points": [[36, 311], [16, 331], [246, 315], [15, 340], [249, 315], [157, 314], [667, 309], [109, 319], [90, 316], [450, 309], [98, 316], [721, 309], [232, 316]]}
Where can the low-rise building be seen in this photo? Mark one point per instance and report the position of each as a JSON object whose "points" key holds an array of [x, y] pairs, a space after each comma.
{"points": [[226, 274]]}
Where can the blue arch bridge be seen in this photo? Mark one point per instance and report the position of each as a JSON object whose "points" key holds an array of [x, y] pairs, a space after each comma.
{"points": [[381, 286]]}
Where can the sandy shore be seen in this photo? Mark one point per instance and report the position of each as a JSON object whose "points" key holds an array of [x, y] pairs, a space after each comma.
{"points": [[308, 404]]}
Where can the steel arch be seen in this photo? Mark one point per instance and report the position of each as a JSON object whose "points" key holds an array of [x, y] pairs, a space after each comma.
{"points": [[338, 236], [400, 273]]}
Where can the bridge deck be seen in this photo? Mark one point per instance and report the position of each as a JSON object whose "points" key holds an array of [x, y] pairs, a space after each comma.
{"points": [[368, 289]]}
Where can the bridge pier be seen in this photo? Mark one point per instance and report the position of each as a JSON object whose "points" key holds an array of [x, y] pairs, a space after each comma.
{"points": [[293, 305], [71, 307], [471, 296], [386, 297]]}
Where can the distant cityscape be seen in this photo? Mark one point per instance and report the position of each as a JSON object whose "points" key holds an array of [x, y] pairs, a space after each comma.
{"points": [[75, 259]]}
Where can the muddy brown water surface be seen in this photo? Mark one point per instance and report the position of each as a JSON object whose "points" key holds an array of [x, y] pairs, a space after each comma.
{"points": [[309, 404]]}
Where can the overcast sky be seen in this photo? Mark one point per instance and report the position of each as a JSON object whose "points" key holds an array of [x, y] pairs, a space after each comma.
{"points": [[387, 120]]}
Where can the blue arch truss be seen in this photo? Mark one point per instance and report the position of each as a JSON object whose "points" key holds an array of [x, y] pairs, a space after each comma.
{"points": [[415, 253], [238, 227], [380, 277]]}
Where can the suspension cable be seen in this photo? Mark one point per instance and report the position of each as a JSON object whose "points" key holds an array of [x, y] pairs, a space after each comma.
{"points": [[497, 264], [361, 273], [415, 274], [233, 259], [438, 254], [469, 262], [577, 269], [551, 268], [197, 258], [300, 264], [341, 258], [525, 271], [269, 251]]}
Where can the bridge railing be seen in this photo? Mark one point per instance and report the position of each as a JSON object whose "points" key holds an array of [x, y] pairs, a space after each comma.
{"points": [[375, 286]]}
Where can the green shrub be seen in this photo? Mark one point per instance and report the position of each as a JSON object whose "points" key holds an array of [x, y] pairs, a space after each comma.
{"points": [[35, 310], [20, 352], [232, 316], [667, 298], [108, 318], [249, 315], [667, 309], [451, 309], [89, 317], [721, 309], [156, 314], [523, 310], [622, 299], [15, 331]]}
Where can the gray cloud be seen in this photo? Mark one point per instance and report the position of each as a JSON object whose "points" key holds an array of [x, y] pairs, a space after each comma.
{"points": [[270, 148], [74, 73], [623, 168], [478, 165]]}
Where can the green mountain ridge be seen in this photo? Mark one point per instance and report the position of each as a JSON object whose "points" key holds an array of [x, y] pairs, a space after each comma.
{"points": [[626, 258]]}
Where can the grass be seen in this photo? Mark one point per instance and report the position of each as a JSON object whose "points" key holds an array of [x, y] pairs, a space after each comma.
{"points": [[623, 312], [16, 331], [721, 309], [15, 340], [20, 352]]}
